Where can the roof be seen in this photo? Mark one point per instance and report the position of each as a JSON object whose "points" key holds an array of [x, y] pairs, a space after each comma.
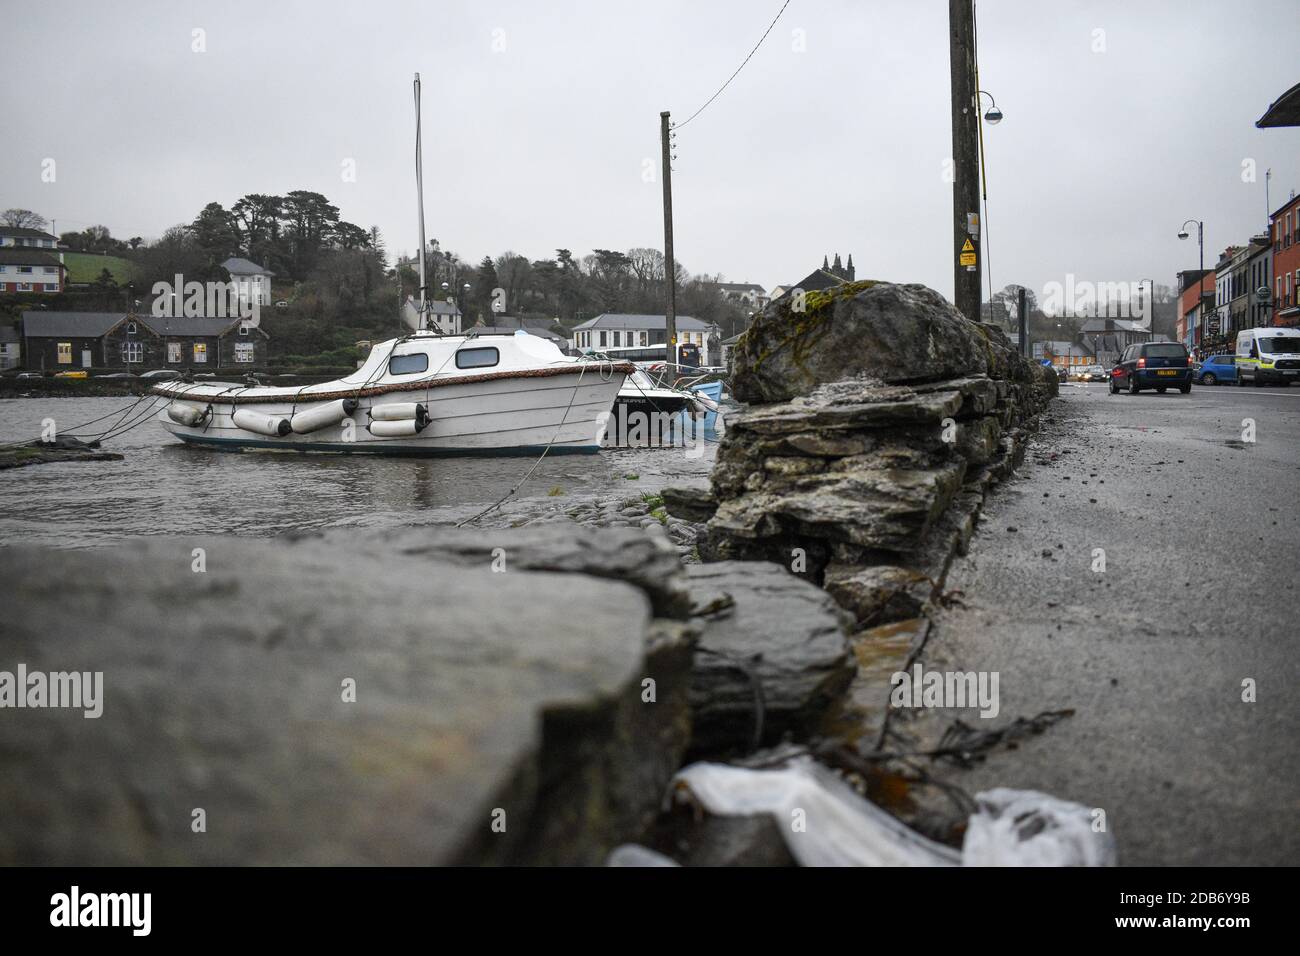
{"points": [[40, 324], [82, 324], [22, 232], [436, 306], [739, 287], [244, 267], [1283, 111], [816, 280], [621, 320], [1113, 325], [27, 257]]}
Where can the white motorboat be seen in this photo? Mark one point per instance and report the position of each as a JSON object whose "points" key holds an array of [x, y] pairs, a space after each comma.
{"points": [[419, 394]]}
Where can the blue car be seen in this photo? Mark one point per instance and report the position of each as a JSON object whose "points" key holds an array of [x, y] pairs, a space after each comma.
{"points": [[1216, 369]]}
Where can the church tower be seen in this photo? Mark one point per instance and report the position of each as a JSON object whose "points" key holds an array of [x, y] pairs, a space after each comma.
{"points": [[850, 268]]}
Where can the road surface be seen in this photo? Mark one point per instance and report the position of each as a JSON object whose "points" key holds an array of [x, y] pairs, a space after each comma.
{"points": [[1200, 592]]}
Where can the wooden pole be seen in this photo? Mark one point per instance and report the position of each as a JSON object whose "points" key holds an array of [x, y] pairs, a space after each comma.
{"points": [[670, 263], [965, 158]]}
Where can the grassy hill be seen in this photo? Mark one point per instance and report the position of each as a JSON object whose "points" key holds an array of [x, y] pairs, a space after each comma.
{"points": [[86, 267]]}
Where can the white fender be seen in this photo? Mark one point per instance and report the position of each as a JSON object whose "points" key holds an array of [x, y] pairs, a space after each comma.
{"points": [[402, 429], [316, 417], [183, 414], [274, 425], [396, 411]]}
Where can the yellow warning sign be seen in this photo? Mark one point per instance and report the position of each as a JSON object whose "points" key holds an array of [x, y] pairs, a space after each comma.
{"points": [[967, 257], [967, 247]]}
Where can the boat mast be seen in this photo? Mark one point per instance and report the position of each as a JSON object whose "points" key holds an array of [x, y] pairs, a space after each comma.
{"points": [[419, 193]]}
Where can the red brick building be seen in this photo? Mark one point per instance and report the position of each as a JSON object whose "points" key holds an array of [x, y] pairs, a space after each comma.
{"points": [[1286, 263], [1188, 325]]}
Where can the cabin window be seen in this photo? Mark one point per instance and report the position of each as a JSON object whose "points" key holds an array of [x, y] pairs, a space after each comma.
{"points": [[132, 352], [477, 358], [408, 364], [200, 353], [130, 328], [65, 353], [243, 351], [173, 351], [645, 339]]}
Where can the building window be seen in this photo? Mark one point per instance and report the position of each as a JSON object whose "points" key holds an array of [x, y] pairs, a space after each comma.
{"points": [[200, 353], [25, 270], [51, 287], [173, 351], [50, 270], [243, 351], [133, 352], [130, 328], [243, 330], [645, 338], [65, 353], [600, 338], [24, 287]]}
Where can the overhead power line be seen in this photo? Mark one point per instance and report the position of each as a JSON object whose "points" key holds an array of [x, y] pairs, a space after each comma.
{"points": [[738, 69]]}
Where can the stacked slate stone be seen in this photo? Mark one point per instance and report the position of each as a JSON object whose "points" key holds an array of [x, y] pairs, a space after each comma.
{"points": [[879, 416]]}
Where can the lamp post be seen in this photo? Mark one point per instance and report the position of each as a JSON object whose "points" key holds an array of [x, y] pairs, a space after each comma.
{"points": [[1200, 280]]}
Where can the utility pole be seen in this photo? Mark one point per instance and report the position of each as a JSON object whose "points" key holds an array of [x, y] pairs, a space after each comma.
{"points": [[1023, 311], [965, 158], [670, 267]]}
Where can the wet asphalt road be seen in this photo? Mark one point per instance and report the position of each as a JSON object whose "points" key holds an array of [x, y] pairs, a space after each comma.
{"points": [[1201, 533]]}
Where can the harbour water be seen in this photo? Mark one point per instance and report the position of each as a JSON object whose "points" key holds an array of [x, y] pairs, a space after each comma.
{"points": [[164, 487]]}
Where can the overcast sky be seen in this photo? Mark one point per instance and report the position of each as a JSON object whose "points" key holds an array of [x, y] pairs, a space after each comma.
{"points": [[540, 119]]}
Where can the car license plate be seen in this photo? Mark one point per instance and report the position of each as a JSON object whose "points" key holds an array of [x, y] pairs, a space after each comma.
{"points": [[1167, 371]]}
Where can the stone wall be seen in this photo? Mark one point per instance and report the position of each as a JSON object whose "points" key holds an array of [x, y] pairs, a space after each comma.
{"points": [[878, 419]]}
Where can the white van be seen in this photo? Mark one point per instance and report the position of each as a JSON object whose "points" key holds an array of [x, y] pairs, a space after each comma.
{"points": [[1268, 355]]}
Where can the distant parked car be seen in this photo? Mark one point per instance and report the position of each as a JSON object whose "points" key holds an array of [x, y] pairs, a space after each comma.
{"points": [[1216, 369], [166, 373], [116, 375], [71, 375], [1158, 365], [30, 375]]}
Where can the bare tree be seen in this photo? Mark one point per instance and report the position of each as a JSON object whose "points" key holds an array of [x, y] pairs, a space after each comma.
{"points": [[23, 219]]}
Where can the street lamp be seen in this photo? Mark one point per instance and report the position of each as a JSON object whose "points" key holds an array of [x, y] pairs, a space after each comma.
{"points": [[1200, 242], [994, 115]]}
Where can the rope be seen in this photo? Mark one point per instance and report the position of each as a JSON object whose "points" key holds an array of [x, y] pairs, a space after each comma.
{"points": [[522, 481]]}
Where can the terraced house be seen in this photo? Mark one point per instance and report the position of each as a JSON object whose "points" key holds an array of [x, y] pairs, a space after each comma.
{"points": [[30, 261], [58, 341]]}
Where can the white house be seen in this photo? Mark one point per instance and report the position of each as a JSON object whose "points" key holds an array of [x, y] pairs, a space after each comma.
{"points": [[612, 330], [744, 294], [445, 317], [252, 282], [22, 238]]}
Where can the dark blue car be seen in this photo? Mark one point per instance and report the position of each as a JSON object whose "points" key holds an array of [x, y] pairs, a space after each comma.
{"points": [[1218, 368], [1157, 365]]}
